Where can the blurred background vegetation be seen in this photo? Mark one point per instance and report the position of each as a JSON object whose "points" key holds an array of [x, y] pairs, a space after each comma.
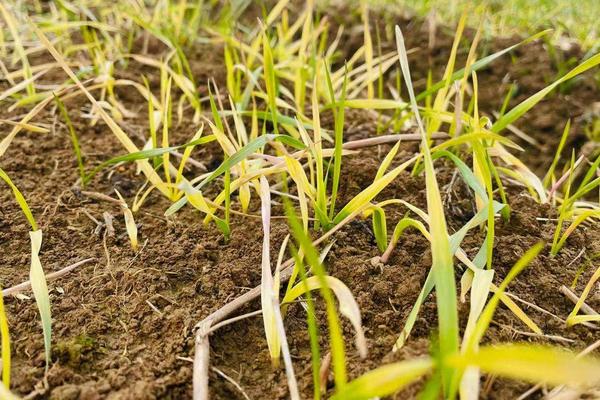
{"points": [[571, 19]]}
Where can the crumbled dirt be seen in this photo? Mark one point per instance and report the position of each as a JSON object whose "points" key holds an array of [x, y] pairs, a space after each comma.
{"points": [[122, 324]]}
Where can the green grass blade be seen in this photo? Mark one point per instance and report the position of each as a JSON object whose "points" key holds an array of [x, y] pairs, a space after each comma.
{"points": [[151, 119], [564, 207], [227, 190], [215, 110], [404, 223], [572, 318], [488, 312], [338, 139], [589, 175], [478, 219], [335, 333], [74, 139], [370, 192], [380, 228], [270, 80], [144, 154], [387, 161], [321, 200], [531, 101], [442, 258], [414, 312], [20, 200], [465, 172], [477, 65], [563, 139], [313, 330], [243, 153]]}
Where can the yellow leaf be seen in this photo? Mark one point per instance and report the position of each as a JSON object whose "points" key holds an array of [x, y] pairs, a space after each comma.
{"points": [[40, 290], [268, 296], [385, 380], [533, 363]]}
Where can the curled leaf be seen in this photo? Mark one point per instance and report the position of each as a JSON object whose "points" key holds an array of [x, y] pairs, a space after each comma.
{"points": [[130, 225]]}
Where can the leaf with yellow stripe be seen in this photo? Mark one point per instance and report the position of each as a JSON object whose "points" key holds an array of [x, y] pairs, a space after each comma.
{"points": [[533, 363], [385, 380]]}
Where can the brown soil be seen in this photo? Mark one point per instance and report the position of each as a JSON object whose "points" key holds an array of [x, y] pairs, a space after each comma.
{"points": [[122, 325]]}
